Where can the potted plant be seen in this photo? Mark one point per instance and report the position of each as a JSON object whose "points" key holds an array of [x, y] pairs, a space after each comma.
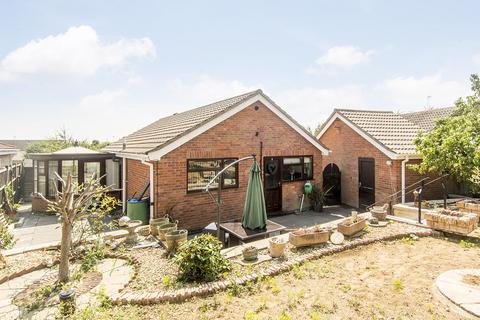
{"points": [[250, 253], [318, 197], [10, 206], [173, 239], [352, 225], [309, 236]]}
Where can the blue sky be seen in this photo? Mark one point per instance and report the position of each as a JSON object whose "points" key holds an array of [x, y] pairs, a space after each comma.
{"points": [[103, 69]]}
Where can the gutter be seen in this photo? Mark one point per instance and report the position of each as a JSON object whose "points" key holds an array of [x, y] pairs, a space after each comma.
{"points": [[144, 159], [404, 162], [151, 188], [124, 185]]}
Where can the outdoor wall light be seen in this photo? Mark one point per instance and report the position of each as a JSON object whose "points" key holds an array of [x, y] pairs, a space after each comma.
{"points": [[389, 163], [257, 132]]}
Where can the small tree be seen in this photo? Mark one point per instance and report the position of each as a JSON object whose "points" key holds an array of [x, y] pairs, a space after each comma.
{"points": [[73, 203], [62, 140], [453, 147]]}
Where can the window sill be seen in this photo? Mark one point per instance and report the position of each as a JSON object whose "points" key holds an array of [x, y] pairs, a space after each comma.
{"points": [[300, 180], [211, 189]]}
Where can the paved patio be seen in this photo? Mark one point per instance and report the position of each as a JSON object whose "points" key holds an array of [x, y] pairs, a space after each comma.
{"points": [[331, 214], [35, 228], [310, 218]]}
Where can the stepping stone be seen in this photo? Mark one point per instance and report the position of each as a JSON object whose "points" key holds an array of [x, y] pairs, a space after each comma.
{"points": [[465, 295]]}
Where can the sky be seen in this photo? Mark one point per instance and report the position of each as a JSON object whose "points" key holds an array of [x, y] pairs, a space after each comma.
{"points": [[103, 69]]}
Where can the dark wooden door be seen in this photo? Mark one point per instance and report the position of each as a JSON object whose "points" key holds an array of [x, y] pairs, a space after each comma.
{"points": [[273, 184], [366, 182]]}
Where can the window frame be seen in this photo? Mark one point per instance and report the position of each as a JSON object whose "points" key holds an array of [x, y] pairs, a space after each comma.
{"points": [[302, 163], [216, 169]]}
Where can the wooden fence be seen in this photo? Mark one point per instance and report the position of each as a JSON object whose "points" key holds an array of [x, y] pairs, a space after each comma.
{"points": [[9, 174]]}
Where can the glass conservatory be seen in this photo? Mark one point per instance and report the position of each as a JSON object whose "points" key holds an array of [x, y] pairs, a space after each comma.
{"points": [[80, 163]]}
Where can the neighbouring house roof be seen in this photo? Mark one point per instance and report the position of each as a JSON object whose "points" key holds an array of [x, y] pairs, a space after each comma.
{"points": [[168, 133], [392, 133], [7, 149], [426, 119], [21, 144]]}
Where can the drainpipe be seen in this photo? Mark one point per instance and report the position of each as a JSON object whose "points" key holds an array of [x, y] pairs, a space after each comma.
{"points": [[404, 162], [124, 185], [150, 166]]}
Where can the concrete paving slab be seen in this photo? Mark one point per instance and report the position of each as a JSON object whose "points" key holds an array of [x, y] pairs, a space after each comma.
{"points": [[473, 308], [452, 285], [310, 218]]}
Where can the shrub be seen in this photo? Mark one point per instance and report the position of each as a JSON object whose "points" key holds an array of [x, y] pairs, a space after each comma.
{"points": [[200, 259], [93, 254], [7, 239]]}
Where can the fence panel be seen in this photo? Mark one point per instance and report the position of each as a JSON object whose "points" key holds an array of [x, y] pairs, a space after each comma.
{"points": [[10, 174]]}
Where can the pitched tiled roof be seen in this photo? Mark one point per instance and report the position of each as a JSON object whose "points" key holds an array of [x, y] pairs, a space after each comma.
{"points": [[388, 128], [20, 144], [6, 146], [170, 128], [167, 130], [426, 119], [396, 132]]}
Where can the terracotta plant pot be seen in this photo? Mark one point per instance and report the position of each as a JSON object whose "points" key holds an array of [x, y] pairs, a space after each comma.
{"points": [[174, 238], [250, 253], [155, 223], [348, 228], [276, 247], [309, 237], [163, 229]]}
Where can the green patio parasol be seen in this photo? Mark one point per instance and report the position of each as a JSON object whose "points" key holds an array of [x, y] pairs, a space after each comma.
{"points": [[254, 211]]}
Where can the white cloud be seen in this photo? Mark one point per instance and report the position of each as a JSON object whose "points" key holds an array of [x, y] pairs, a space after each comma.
{"points": [[412, 92], [311, 106], [77, 52], [344, 56]]}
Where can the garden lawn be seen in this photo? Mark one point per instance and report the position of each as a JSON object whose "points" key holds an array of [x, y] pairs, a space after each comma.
{"points": [[391, 280]]}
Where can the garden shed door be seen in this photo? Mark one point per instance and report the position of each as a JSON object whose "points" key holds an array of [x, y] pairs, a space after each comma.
{"points": [[366, 182]]}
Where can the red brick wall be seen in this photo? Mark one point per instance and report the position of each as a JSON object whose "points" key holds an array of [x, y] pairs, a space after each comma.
{"points": [[433, 191], [347, 146], [138, 174], [235, 137]]}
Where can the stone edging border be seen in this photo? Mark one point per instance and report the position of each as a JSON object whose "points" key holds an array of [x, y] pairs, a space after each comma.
{"points": [[134, 262], [22, 272], [180, 295], [44, 265]]}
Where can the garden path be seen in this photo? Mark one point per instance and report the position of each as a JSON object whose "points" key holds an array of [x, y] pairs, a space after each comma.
{"points": [[116, 273]]}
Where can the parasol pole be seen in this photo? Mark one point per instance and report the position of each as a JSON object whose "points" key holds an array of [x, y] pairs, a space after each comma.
{"points": [[218, 200]]}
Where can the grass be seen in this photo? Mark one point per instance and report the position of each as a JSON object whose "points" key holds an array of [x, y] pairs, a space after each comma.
{"points": [[465, 244], [397, 284]]}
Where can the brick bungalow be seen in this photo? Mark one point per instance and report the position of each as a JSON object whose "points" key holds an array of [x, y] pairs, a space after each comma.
{"points": [[372, 153], [180, 153]]}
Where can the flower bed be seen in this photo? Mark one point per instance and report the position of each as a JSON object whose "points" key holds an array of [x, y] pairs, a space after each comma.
{"points": [[452, 221]]}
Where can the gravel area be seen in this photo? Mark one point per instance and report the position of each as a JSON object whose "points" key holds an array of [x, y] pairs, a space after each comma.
{"points": [[156, 272], [26, 260]]}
